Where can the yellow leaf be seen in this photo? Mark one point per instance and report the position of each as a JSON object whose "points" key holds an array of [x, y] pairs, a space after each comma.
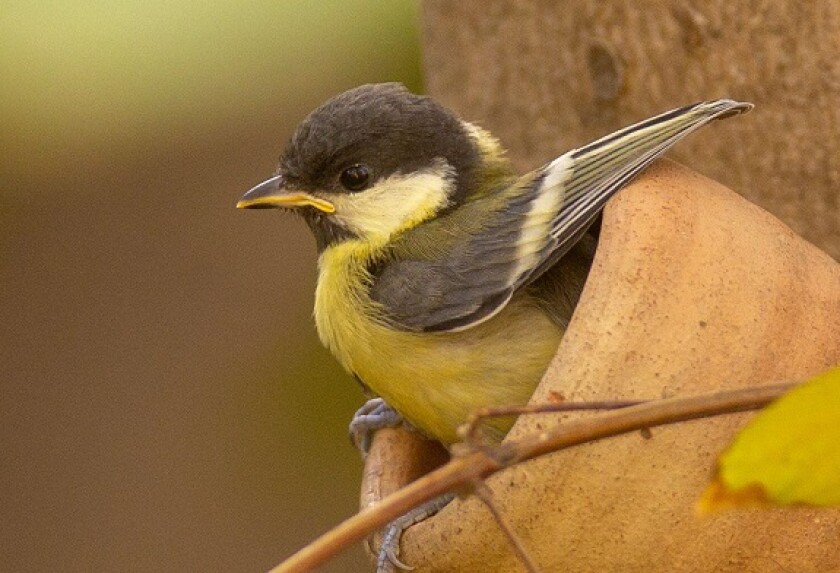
{"points": [[788, 454]]}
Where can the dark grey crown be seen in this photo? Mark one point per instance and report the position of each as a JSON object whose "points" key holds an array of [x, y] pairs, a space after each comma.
{"points": [[386, 128]]}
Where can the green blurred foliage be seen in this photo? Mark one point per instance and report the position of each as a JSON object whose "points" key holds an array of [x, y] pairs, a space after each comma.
{"points": [[81, 73]]}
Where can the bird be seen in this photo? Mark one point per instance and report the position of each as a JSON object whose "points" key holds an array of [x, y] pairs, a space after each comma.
{"points": [[446, 280]]}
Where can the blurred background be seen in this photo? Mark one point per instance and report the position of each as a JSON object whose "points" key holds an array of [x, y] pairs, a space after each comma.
{"points": [[165, 403]]}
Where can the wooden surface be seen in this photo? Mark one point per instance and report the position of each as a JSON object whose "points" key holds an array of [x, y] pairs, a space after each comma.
{"points": [[546, 76]]}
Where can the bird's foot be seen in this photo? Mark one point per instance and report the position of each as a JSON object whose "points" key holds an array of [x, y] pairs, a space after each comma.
{"points": [[388, 560], [374, 415]]}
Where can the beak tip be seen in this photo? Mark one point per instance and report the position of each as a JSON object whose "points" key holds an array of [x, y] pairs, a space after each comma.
{"points": [[271, 194]]}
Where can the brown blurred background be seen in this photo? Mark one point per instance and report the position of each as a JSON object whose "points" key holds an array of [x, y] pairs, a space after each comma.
{"points": [[165, 403]]}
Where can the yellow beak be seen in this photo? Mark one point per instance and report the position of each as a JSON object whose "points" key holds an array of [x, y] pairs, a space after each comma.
{"points": [[272, 193]]}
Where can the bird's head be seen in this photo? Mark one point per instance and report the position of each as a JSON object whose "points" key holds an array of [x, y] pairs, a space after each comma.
{"points": [[374, 161]]}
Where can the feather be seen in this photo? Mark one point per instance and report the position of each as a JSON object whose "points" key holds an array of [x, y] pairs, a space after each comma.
{"points": [[492, 246]]}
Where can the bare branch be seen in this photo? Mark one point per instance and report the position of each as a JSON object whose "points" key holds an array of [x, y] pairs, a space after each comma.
{"points": [[485, 494], [470, 466]]}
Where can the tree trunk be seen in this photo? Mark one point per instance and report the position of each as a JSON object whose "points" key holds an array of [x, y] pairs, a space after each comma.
{"points": [[546, 76]]}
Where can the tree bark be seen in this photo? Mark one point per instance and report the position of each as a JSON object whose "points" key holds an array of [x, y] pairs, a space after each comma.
{"points": [[546, 76]]}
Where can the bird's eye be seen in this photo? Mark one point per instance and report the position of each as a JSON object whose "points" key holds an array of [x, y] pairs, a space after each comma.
{"points": [[355, 178]]}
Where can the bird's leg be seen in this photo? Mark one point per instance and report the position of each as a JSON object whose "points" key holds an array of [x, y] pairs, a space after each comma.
{"points": [[388, 559], [374, 415]]}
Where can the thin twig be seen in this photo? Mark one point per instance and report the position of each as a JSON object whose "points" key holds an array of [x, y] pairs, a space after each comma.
{"points": [[449, 477], [470, 466], [469, 431], [644, 415], [485, 494]]}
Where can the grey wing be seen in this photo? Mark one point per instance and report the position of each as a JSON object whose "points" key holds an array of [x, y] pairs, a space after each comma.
{"points": [[467, 280], [537, 221]]}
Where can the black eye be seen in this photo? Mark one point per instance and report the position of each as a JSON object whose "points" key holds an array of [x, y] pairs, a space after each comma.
{"points": [[355, 177]]}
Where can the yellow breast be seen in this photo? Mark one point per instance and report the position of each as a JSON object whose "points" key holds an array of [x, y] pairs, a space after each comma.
{"points": [[434, 380]]}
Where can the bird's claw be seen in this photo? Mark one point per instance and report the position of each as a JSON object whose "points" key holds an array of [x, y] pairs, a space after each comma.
{"points": [[374, 415], [388, 560]]}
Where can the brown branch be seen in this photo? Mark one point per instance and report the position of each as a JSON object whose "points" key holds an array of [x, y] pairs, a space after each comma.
{"points": [[469, 431], [472, 465]]}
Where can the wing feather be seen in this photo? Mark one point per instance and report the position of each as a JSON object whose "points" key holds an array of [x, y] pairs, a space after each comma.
{"points": [[492, 246]]}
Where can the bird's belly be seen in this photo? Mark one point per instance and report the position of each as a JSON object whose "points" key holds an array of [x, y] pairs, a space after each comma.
{"points": [[436, 380]]}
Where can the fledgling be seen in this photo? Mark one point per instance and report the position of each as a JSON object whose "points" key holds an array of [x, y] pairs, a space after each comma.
{"points": [[445, 280]]}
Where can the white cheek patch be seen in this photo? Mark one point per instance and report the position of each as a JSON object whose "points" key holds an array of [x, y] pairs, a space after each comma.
{"points": [[394, 204]]}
